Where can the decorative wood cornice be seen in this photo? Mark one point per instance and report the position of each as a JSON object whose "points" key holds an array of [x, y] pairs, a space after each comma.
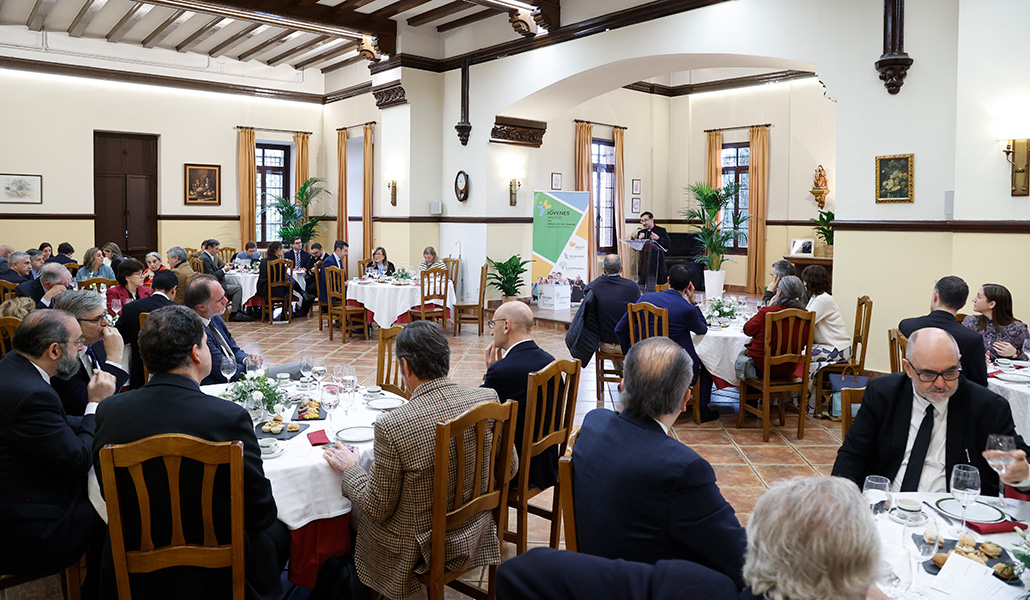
{"points": [[718, 85], [464, 127], [352, 91], [48, 216], [518, 132], [198, 217], [787, 223], [942, 226], [389, 94], [470, 220]]}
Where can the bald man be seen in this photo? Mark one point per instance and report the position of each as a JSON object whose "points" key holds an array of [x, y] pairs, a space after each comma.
{"points": [[512, 330], [914, 427]]}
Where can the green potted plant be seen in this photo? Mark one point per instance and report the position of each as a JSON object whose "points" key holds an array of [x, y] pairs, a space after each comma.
{"points": [[293, 218], [507, 276], [824, 230], [716, 234]]}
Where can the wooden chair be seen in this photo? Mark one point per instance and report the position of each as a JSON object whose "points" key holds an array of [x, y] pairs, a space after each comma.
{"points": [[280, 276], [350, 318], [95, 283], [859, 344], [468, 312], [452, 264], [647, 320], [783, 322], [191, 252], [568, 504], [323, 311], [661, 287], [388, 375], [7, 327], [71, 581], [363, 266], [434, 287], [142, 322], [603, 374], [196, 264], [227, 254], [848, 398], [547, 422], [172, 448], [960, 317], [898, 344], [7, 291], [73, 267], [486, 491]]}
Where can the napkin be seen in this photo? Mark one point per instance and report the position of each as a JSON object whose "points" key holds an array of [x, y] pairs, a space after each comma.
{"points": [[318, 438], [1003, 527]]}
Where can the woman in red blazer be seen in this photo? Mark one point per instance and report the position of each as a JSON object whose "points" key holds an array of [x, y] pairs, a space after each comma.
{"points": [[130, 286]]}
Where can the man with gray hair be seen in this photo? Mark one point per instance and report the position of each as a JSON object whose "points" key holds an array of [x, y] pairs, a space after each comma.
{"points": [[53, 281], [103, 351], [642, 495], [36, 262], [20, 267], [613, 293], [178, 263], [781, 268], [5, 253]]}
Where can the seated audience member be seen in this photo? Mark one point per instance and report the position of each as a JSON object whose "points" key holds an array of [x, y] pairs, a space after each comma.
{"points": [[64, 254], [430, 260], [164, 286], [47, 250], [174, 349], [130, 285], [317, 254], [945, 418], [300, 257], [52, 282], [17, 307], [19, 267], [154, 265], [93, 266], [380, 265], [790, 293], [613, 293], [180, 265], [46, 518], [112, 255], [949, 296], [5, 253], [250, 252], [395, 497], [104, 349], [337, 259], [512, 330], [781, 268], [36, 260], [830, 341], [214, 265], [275, 252], [1003, 334], [642, 495]]}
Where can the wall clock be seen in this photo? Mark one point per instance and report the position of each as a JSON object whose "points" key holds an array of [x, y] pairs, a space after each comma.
{"points": [[461, 186]]}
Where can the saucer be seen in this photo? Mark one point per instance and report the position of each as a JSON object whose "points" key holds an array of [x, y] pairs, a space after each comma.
{"points": [[278, 452], [897, 518]]}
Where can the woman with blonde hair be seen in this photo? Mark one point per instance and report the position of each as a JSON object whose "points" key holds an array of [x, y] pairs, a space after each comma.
{"points": [[93, 266], [430, 260]]}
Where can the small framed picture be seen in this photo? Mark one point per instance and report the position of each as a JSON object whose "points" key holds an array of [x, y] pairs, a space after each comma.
{"points": [[555, 181], [21, 189], [203, 185], [635, 206], [801, 246], [894, 178], [636, 186]]}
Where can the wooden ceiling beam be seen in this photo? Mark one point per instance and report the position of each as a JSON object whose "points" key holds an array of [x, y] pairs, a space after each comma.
{"points": [[296, 50], [327, 55], [40, 11], [467, 20], [206, 30], [128, 21], [85, 17], [245, 34], [337, 21], [397, 8], [276, 40], [343, 63], [438, 13], [167, 27]]}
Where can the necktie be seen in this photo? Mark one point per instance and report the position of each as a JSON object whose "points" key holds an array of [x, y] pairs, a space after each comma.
{"points": [[222, 343], [296, 260], [918, 456]]}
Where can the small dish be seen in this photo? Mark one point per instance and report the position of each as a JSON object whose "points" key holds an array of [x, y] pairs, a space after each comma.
{"points": [[276, 454], [385, 403], [360, 433], [897, 516], [1013, 377]]}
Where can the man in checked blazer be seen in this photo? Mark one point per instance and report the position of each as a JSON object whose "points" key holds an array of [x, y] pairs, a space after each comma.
{"points": [[396, 497]]}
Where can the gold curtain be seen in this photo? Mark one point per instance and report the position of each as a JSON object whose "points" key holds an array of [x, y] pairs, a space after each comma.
{"points": [[584, 136], [341, 190], [618, 134], [715, 159], [300, 142], [368, 183], [246, 187], [758, 200]]}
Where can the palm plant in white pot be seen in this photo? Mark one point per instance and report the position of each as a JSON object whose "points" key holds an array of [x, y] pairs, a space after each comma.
{"points": [[718, 227]]}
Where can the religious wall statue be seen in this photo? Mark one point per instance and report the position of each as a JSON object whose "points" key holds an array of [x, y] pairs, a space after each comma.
{"points": [[820, 178], [819, 187]]}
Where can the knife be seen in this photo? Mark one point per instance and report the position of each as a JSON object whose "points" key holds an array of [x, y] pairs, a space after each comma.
{"points": [[940, 512]]}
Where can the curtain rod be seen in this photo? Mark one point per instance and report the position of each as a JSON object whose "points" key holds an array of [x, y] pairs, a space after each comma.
{"points": [[738, 127], [272, 130], [358, 125], [601, 124]]}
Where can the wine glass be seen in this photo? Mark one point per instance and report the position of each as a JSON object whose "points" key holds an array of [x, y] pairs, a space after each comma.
{"points": [[306, 366], [254, 364], [1000, 462], [877, 492], [116, 308], [228, 368], [348, 381], [922, 540], [318, 369], [330, 400], [965, 487]]}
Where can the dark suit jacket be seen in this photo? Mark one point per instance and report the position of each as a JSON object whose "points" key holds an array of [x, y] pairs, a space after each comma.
{"points": [[546, 574], [128, 326], [175, 404], [509, 378], [613, 292], [684, 319], [31, 289], [211, 267], [217, 356], [875, 444], [330, 261], [657, 257], [60, 258], [970, 342], [13, 277], [305, 258], [45, 515], [641, 495], [73, 391]]}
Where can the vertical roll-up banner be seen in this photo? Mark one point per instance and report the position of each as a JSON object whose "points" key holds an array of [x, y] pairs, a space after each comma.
{"points": [[560, 234]]}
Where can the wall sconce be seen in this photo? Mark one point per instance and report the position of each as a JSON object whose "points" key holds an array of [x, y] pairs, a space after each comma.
{"points": [[513, 190], [1017, 153], [391, 184]]}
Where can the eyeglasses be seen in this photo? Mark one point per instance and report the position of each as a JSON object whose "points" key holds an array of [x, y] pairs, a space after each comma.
{"points": [[81, 342], [931, 376], [95, 321], [491, 323]]}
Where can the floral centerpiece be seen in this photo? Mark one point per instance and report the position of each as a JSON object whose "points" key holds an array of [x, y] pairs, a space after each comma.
{"points": [[403, 274], [720, 308], [256, 388], [1021, 552]]}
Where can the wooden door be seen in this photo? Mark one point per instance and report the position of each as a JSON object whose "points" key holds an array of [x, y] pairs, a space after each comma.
{"points": [[125, 191]]}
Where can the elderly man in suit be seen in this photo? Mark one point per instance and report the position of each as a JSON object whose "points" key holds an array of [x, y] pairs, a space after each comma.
{"points": [[214, 265], [914, 427], [337, 259], [395, 498], [19, 270], [174, 349], [46, 519], [512, 329], [179, 263], [104, 349], [52, 282], [640, 494], [164, 286]]}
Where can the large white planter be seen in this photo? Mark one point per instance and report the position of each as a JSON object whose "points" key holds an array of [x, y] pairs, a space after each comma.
{"points": [[714, 281]]}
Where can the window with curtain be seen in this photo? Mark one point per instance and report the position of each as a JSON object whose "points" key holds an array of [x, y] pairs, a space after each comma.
{"points": [[602, 157], [735, 160], [273, 179]]}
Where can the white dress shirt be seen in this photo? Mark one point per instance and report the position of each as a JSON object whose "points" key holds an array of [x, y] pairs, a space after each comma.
{"points": [[934, 477]]}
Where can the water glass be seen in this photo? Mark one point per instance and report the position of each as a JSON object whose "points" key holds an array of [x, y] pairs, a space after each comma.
{"points": [[116, 308], [330, 401], [922, 541], [254, 364], [318, 369], [306, 366], [1003, 443], [227, 366], [877, 492], [965, 487]]}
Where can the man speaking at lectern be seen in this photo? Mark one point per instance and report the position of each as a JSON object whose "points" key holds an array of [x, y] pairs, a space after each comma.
{"points": [[649, 231]]}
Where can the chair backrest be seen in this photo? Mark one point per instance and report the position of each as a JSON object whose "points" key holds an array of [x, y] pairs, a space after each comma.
{"points": [[363, 266], [788, 339], [863, 319], [898, 344], [7, 290], [434, 286], [227, 254], [452, 270], [480, 484], [315, 268], [566, 496], [142, 322], [171, 449], [960, 317], [388, 372], [72, 267], [335, 286], [196, 264], [280, 275], [190, 252], [550, 408], [7, 327], [482, 285], [661, 287], [95, 283], [647, 320], [848, 398]]}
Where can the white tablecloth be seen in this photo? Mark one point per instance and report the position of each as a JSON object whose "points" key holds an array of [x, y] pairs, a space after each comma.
{"points": [[248, 281], [388, 301], [1018, 395], [718, 350]]}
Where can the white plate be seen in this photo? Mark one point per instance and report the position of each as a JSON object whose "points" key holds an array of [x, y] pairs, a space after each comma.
{"points": [[977, 512], [361, 433], [386, 403], [1013, 377], [279, 452], [898, 518], [1021, 363]]}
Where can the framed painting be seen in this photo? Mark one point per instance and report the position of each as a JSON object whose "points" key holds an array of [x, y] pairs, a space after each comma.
{"points": [[636, 186], [801, 246], [21, 189], [555, 181], [203, 185], [895, 178], [636, 206]]}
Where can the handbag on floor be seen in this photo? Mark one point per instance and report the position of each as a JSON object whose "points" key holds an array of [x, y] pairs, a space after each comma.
{"points": [[839, 381]]}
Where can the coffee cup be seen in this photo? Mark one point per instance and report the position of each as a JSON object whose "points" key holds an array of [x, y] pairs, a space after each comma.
{"points": [[908, 508], [268, 445], [373, 390], [1004, 361]]}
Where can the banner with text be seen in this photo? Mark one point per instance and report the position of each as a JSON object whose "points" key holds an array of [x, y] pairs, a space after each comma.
{"points": [[560, 236]]}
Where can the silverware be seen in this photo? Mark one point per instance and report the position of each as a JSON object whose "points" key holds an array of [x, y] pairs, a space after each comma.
{"points": [[939, 512]]}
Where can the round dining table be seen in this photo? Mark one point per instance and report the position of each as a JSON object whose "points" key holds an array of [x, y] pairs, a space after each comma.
{"points": [[248, 282], [1014, 386], [387, 302], [718, 350]]}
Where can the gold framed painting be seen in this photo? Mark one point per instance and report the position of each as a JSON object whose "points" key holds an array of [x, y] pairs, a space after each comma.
{"points": [[203, 185], [895, 178]]}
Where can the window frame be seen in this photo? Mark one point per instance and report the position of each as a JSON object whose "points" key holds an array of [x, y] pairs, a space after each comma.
{"points": [[260, 218], [596, 170], [736, 171]]}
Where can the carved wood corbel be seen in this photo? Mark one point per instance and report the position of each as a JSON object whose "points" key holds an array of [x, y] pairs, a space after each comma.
{"points": [[894, 63]]}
